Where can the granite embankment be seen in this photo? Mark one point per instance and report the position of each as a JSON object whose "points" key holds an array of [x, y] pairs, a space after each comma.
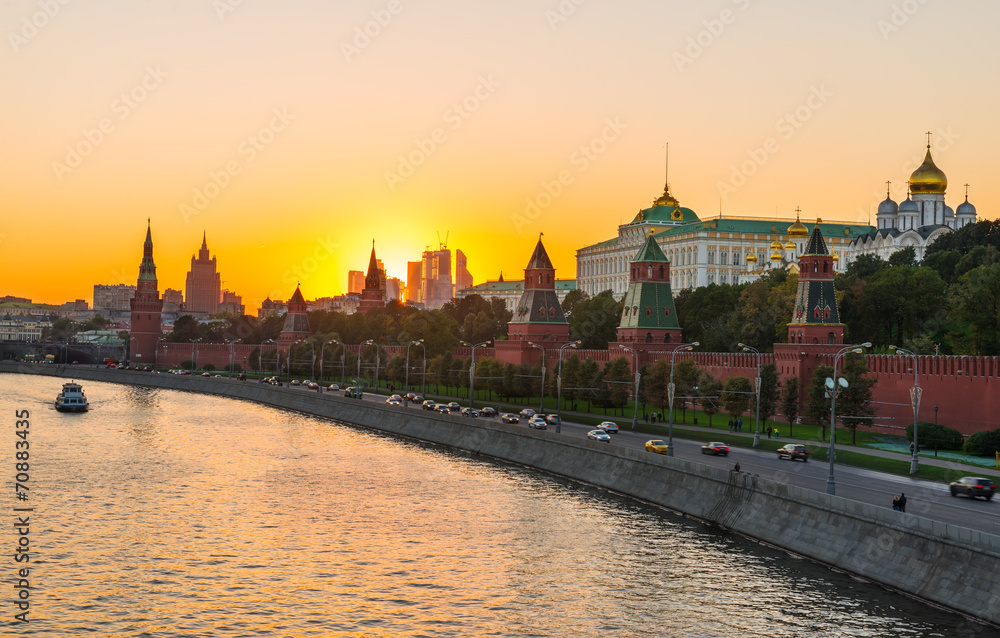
{"points": [[951, 566]]}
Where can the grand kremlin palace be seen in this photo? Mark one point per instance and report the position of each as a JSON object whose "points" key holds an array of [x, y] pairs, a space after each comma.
{"points": [[717, 250]]}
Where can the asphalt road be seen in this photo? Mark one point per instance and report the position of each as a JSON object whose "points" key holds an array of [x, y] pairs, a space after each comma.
{"points": [[924, 498]]}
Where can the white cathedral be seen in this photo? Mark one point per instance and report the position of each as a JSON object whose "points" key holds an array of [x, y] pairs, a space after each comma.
{"points": [[916, 221]]}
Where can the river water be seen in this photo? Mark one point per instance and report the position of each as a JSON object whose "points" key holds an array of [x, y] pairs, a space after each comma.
{"points": [[163, 513]]}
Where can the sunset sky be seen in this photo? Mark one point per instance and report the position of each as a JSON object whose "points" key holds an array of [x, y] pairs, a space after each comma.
{"points": [[294, 133]]}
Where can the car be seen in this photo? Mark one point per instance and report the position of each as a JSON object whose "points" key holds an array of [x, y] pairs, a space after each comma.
{"points": [[393, 401], [454, 406], [715, 448], [793, 451], [552, 419], [470, 412], [307, 382], [411, 396], [354, 393], [206, 374], [396, 397], [488, 412], [608, 426], [973, 486], [527, 413], [313, 385], [658, 446], [442, 408], [429, 405], [333, 386], [296, 382], [598, 435], [417, 399], [538, 423], [510, 418]]}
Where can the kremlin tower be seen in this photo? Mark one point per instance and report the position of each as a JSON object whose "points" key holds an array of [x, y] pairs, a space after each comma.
{"points": [[649, 320], [374, 293], [296, 327], [815, 318], [146, 308]]}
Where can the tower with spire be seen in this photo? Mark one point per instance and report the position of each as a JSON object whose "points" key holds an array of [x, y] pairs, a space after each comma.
{"points": [[203, 288], [815, 319], [147, 308], [296, 327], [374, 293]]}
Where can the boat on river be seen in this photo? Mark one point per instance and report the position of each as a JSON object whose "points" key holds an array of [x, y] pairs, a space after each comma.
{"points": [[72, 398]]}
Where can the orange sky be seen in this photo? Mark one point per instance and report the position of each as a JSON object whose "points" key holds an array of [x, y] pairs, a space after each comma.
{"points": [[278, 128]]}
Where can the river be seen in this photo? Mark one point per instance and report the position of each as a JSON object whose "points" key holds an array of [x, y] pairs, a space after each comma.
{"points": [[168, 514]]}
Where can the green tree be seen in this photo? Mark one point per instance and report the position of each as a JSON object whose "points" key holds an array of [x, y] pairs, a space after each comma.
{"points": [[976, 304], [655, 383], [736, 396], [855, 401], [817, 403], [703, 313], [710, 390], [588, 379], [790, 402], [770, 391], [620, 382], [686, 377], [595, 321]]}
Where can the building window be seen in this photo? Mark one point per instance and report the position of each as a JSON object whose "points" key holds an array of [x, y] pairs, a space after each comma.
{"points": [[711, 257], [649, 311]]}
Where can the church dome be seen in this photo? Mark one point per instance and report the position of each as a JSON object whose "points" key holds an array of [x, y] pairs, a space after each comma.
{"points": [[836, 257], [776, 244], [949, 213], [776, 256], [928, 178], [798, 229], [908, 206], [888, 207], [790, 246], [751, 258], [965, 208], [666, 199]]}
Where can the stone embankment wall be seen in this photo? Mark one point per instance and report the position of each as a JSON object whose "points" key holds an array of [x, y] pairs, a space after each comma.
{"points": [[948, 565]]}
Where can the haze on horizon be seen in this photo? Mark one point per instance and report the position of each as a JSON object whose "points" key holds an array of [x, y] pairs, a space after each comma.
{"points": [[294, 133]]}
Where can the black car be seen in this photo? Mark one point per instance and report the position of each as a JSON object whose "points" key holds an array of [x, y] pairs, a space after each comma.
{"points": [[470, 412], [510, 418], [488, 412], [715, 448], [973, 486], [429, 405], [793, 451]]}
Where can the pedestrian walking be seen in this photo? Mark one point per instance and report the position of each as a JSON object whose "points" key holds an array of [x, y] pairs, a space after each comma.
{"points": [[895, 503], [730, 425], [902, 502], [739, 425], [737, 468], [775, 432], [769, 431]]}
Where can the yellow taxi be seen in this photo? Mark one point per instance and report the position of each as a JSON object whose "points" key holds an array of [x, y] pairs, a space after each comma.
{"points": [[658, 446]]}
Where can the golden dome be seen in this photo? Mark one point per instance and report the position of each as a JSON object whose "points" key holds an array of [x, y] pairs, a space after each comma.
{"points": [[790, 245], [776, 256], [776, 244], [928, 178], [666, 199], [751, 258], [798, 229], [836, 257]]}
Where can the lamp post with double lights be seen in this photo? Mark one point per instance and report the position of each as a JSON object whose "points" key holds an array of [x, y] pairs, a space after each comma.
{"points": [[635, 397], [472, 373], [915, 402], [156, 358], [834, 385], [756, 434], [418, 342], [360, 348], [196, 346], [541, 401], [289, 358], [322, 351], [670, 391], [572, 344]]}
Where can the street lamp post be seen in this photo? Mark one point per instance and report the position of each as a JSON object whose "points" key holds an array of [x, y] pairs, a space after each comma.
{"points": [[322, 351], [289, 359], [472, 374], [833, 386], [670, 391], [360, 348], [915, 401], [635, 411], [756, 434], [196, 346], [541, 401], [418, 342], [573, 344]]}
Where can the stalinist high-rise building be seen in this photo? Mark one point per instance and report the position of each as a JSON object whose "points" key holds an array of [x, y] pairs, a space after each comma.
{"points": [[203, 289], [146, 308]]}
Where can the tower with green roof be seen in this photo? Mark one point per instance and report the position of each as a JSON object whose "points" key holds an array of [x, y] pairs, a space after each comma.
{"points": [[815, 318], [649, 319]]}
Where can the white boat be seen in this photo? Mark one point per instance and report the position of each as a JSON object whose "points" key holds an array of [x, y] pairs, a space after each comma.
{"points": [[72, 399]]}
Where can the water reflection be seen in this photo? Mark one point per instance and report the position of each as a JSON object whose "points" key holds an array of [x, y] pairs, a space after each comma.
{"points": [[179, 515]]}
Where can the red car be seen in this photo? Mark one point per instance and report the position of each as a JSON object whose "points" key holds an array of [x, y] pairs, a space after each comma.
{"points": [[715, 448]]}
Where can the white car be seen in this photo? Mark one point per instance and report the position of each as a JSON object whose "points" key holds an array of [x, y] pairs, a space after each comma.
{"points": [[538, 423], [598, 435], [608, 426]]}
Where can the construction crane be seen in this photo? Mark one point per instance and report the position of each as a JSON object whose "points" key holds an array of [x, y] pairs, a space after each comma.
{"points": [[442, 245]]}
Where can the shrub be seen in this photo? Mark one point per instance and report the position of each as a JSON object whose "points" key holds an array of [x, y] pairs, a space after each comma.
{"points": [[208, 367], [938, 437], [985, 443], [187, 364]]}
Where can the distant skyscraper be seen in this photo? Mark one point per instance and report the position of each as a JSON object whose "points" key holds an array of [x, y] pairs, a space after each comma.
{"points": [[173, 296], [232, 303], [436, 284], [113, 297], [355, 281], [393, 289], [146, 308], [414, 277], [463, 278], [204, 284]]}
